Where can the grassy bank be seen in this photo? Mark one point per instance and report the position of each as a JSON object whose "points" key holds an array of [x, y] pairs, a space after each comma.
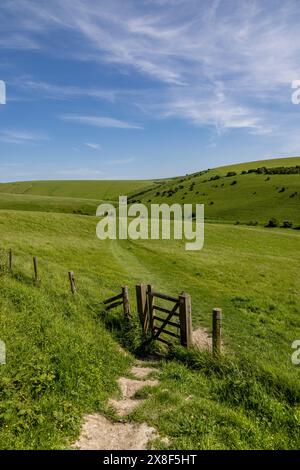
{"points": [[62, 362]]}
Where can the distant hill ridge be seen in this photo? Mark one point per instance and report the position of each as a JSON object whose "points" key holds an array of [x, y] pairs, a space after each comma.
{"points": [[248, 193]]}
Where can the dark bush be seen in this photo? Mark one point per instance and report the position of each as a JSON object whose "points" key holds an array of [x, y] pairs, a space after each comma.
{"points": [[231, 173], [287, 224], [273, 222], [261, 170], [233, 182]]}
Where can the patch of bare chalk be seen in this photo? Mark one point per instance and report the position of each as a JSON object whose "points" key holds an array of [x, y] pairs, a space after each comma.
{"points": [[98, 433], [101, 434]]}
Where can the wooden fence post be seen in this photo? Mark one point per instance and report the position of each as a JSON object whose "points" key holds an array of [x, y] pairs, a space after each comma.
{"points": [[216, 331], [72, 282], [10, 259], [35, 267], [142, 306], [126, 303], [185, 319], [150, 303]]}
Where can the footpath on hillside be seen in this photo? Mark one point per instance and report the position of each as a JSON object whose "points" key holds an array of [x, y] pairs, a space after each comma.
{"points": [[99, 433]]}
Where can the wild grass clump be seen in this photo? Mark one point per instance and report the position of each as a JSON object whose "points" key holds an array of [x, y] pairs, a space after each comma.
{"points": [[3, 262], [251, 388], [128, 331]]}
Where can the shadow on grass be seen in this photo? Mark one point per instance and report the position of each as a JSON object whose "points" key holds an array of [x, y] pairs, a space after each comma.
{"points": [[127, 331], [21, 277]]}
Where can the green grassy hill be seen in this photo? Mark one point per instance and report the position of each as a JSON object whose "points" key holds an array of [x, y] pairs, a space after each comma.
{"points": [[102, 189], [62, 362], [243, 198], [28, 202], [63, 358], [240, 198], [74, 197]]}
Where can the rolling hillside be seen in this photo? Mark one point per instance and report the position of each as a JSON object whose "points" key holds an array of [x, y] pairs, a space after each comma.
{"points": [[29, 202], [63, 358], [232, 196], [63, 363], [99, 190], [230, 193]]}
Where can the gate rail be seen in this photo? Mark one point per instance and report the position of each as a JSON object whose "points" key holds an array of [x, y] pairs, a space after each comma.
{"points": [[181, 309]]}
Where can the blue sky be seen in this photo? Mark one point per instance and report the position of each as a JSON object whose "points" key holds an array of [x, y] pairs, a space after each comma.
{"points": [[145, 88]]}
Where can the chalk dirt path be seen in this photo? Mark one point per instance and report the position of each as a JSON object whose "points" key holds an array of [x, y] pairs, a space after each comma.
{"points": [[98, 433]]}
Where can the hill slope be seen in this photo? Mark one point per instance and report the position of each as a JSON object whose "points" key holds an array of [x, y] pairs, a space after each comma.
{"points": [[62, 362], [230, 193], [102, 189]]}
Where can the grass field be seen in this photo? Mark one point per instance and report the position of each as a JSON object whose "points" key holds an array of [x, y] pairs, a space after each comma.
{"points": [[97, 190], [28, 202], [62, 362], [244, 198], [73, 197]]}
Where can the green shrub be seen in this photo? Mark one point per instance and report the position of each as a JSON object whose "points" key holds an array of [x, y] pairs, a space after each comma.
{"points": [[3, 262], [273, 222], [287, 224]]}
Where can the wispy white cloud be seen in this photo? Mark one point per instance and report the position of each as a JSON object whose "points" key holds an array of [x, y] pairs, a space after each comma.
{"points": [[223, 63], [63, 92], [17, 41], [20, 137], [99, 121], [93, 146]]}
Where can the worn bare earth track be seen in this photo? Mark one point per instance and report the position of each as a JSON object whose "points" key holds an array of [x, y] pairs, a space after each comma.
{"points": [[99, 433]]}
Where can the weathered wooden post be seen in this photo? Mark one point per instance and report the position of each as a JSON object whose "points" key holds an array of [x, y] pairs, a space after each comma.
{"points": [[142, 306], [72, 282], [10, 259], [35, 267], [150, 303], [216, 331], [185, 319], [126, 303]]}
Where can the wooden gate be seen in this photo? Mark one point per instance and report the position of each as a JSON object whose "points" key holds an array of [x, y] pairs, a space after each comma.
{"points": [[156, 318]]}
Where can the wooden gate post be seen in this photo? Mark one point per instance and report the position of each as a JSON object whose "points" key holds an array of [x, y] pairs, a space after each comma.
{"points": [[150, 302], [216, 331], [185, 319], [72, 282], [126, 304], [10, 259], [142, 306], [35, 267]]}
